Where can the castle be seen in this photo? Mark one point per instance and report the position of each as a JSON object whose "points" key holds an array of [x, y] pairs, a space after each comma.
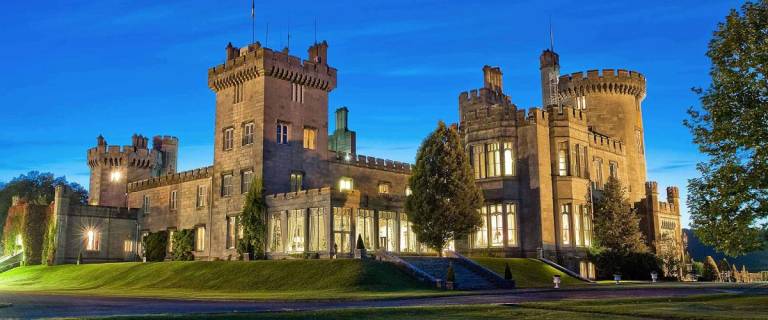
{"points": [[537, 169]]}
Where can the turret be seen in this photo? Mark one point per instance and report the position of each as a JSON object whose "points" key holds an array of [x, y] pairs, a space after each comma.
{"points": [[673, 197], [549, 67], [492, 78], [168, 148], [342, 140], [318, 53]]}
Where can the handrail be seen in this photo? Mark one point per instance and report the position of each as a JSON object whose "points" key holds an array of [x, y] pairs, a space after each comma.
{"points": [[486, 273], [414, 271], [564, 269]]}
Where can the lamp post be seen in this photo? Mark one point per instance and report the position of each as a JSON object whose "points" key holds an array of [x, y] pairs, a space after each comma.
{"points": [[654, 276]]}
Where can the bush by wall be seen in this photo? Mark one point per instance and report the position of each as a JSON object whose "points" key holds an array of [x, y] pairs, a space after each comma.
{"points": [[631, 266], [49, 237], [29, 221], [155, 246], [183, 244]]}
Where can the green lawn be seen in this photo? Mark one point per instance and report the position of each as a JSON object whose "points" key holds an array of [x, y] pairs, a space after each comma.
{"points": [[528, 273], [273, 279]]}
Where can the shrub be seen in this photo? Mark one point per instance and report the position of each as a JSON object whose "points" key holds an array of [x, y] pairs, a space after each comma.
{"points": [[450, 275], [183, 245], [507, 272], [711, 272], [49, 238], [155, 246], [360, 244], [632, 266]]}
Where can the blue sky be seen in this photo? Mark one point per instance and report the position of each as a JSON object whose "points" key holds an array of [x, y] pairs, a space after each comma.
{"points": [[75, 69]]}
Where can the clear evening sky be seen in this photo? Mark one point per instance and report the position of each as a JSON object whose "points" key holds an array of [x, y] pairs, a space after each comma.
{"points": [[72, 70]]}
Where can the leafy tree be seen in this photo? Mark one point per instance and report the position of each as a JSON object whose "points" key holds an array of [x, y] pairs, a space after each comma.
{"points": [[37, 188], [711, 272], [729, 200], [616, 224], [445, 200], [253, 220], [183, 245]]}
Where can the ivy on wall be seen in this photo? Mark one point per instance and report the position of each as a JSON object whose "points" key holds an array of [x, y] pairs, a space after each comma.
{"points": [[183, 245], [30, 222]]}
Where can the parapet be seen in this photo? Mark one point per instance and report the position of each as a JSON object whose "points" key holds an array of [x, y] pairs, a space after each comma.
{"points": [[299, 194], [608, 81], [159, 141], [189, 175], [673, 193], [484, 96], [567, 113], [370, 162], [651, 187], [603, 142], [106, 155], [533, 116]]}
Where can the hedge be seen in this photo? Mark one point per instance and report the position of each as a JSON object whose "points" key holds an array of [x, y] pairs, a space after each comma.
{"points": [[183, 245], [155, 246]]}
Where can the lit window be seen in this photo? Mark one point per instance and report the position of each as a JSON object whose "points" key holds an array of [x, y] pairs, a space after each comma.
{"points": [[295, 231], [248, 133], [565, 223], [245, 181], [387, 230], [562, 159], [115, 176], [128, 246], [317, 226], [226, 185], [408, 191], [282, 132], [407, 236], [494, 159], [364, 227], [497, 225], [511, 224], [345, 184], [200, 238], [478, 160], [310, 137], [481, 235], [275, 232], [509, 159], [587, 225], [174, 199], [296, 181], [577, 239], [228, 138], [92, 240], [202, 196], [341, 229], [384, 187], [146, 204]]}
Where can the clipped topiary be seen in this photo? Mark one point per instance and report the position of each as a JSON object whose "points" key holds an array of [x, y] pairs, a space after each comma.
{"points": [[507, 273], [450, 275], [360, 244]]}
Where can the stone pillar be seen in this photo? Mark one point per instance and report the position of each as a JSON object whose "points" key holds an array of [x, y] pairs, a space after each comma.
{"points": [[60, 212]]}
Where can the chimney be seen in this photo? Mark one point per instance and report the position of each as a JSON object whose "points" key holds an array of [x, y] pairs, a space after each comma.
{"points": [[492, 78]]}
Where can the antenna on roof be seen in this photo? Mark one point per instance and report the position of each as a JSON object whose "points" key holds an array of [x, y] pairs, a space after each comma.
{"points": [[253, 21], [288, 45], [266, 37], [315, 30], [551, 36]]}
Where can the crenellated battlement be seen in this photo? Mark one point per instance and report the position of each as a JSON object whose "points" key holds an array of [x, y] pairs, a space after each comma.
{"points": [[671, 206], [567, 113], [489, 113], [606, 81], [369, 162], [298, 194], [246, 63], [483, 96], [137, 155], [532, 116], [194, 174], [600, 141]]}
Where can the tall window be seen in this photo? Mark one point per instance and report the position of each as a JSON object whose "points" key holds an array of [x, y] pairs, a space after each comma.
{"points": [[613, 168], [497, 225], [174, 199], [275, 232], [598, 164], [318, 239], [387, 230], [384, 187], [226, 185], [494, 159], [202, 196], [587, 224], [296, 231], [511, 224], [146, 204], [229, 136], [581, 102], [237, 94], [231, 232], [310, 138], [478, 161], [297, 93], [364, 227], [509, 159], [200, 238], [246, 178], [577, 238], [579, 160], [481, 235], [248, 133], [584, 164], [341, 229], [345, 184], [639, 141], [296, 181], [565, 223], [92, 240], [407, 237], [282, 132], [562, 159]]}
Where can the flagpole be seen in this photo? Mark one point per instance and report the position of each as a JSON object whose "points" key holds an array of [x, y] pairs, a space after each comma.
{"points": [[253, 21]]}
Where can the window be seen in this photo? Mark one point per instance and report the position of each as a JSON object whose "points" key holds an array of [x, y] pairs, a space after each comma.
{"points": [[296, 231], [481, 235], [509, 159], [92, 240], [497, 225], [237, 94], [587, 225], [200, 238], [297, 93], [384, 187], [146, 204], [310, 138], [318, 239], [248, 133], [364, 227], [345, 184], [128, 246], [282, 132], [341, 229], [478, 161], [565, 223], [275, 232], [226, 185], [579, 161], [387, 230], [639, 141], [494, 159], [171, 232], [613, 169], [246, 178], [229, 134], [231, 232], [407, 237], [511, 224], [581, 103], [202, 196], [598, 164], [408, 191], [174, 200], [584, 165], [577, 227], [562, 159], [296, 181]]}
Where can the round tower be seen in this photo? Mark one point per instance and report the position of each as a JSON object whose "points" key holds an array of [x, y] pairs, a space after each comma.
{"points": [[112, 167], [612, 99], [168, 150], [549, 67]]}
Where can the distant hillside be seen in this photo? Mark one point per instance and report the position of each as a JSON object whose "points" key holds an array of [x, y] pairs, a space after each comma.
{"points": [[754, 261]]}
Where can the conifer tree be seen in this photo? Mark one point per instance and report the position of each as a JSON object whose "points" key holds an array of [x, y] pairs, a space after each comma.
{"points": [[735, 277], [445, 200], [711, 271], [616, 224], [253, 221], [744, 274]]}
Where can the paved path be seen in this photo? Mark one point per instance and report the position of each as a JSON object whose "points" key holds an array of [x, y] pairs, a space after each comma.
{"points": [[43, 306]]}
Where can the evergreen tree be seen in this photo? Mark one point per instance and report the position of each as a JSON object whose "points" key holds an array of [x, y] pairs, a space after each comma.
{"points": [[744, 274], [616, 224], [735, 277], [254, 223], [445, 200], [728, 201], [711, 272]]}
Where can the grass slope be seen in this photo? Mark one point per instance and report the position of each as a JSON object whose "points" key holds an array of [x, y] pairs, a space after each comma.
{"points": [[276, 279], [528, 273]]}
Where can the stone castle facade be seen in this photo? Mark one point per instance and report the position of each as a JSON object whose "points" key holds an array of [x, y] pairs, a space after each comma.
{"points": [[537, 168]]}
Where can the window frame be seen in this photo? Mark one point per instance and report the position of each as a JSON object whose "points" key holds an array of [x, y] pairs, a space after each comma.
{"points": [[248, 133], [228, 139], [282, 136]]}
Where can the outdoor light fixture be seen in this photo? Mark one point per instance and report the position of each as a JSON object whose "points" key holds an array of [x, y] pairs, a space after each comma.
{"points": [[115, 176], [19, 240], [347, 157]]}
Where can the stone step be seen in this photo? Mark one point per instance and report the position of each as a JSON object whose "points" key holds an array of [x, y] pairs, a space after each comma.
{"points": [[466, 279]]}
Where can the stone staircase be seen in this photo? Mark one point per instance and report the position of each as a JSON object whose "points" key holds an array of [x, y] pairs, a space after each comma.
{"points": [[10, 262], [466, 277]]}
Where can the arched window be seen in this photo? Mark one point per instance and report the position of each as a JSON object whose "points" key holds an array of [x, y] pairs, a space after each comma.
{"points": [[565, 224]]}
